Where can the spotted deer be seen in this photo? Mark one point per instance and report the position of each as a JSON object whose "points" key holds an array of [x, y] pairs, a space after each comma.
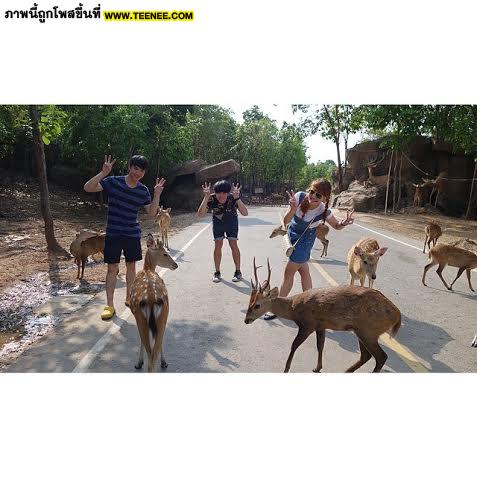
{"points": [[444, 255], [321, 233], [149, 303], [366, 312], [163, 219], [363, 258], [419, 194], [433, 232]]}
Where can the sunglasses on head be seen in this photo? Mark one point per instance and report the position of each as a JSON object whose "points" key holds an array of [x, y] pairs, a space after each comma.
{"points": [[316, 194]]}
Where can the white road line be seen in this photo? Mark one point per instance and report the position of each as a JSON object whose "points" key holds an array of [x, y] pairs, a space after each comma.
{"points": [[119, 321], [387, 236]]}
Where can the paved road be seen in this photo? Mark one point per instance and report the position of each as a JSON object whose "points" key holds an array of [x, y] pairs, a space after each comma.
{"points": [[206, 330]]}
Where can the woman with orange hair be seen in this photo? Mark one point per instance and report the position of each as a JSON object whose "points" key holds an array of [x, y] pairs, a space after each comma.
{"points": [[306, 211]]}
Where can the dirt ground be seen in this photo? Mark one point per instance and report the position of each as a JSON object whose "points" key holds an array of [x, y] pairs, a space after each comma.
{"points": [[22, 242]]}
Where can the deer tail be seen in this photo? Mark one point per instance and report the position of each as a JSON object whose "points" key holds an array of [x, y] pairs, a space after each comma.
{"points": [[396, 326], [151, 313]]}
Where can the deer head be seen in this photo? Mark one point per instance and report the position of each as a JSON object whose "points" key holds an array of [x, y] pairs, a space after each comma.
{"points": [[278, 231], [157, 255], [162, 212], [370, 260], [261, 296]]}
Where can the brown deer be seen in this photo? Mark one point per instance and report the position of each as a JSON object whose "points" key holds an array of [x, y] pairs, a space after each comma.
{"points": [[86, 244], [163, 219], [444, 255], [419, 194], [149, 303], [366, 312], [433, 232], [363, 258], [321, 233], [438, 185]]}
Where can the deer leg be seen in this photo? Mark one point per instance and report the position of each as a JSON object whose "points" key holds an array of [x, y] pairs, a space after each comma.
{"points": [[377, 352], [77, 261], [361, 280], [320, 343], [364, 358], [351, 282], [83, 263], [424, 249], [468, 278], [439, 272], [370, 282], [459, 273], [299, 339], [140, 360], [157, 349], [426, 268]]}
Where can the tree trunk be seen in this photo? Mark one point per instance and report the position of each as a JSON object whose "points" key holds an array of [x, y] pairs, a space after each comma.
{"points": [[340, 169], [387, 186], [399, 186], [396, 162], [39, 152], [471, 191]]}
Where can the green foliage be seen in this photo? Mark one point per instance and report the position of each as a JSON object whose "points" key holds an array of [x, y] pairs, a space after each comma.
{"points": [[310, 172]]}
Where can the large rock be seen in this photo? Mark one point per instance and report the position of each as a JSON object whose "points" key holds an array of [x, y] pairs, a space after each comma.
{"points": [[185, 191], [359, 197]]}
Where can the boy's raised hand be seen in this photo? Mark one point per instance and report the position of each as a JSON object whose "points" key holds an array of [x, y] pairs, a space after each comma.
{"points": [[236, 190], [159, 187], [108, 164], [206, 189]]}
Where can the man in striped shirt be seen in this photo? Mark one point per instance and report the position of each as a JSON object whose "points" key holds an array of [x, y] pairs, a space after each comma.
{"points": [[126, 195]]}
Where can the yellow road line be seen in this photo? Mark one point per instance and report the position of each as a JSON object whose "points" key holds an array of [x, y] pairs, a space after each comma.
{"points": [[404, 353]]}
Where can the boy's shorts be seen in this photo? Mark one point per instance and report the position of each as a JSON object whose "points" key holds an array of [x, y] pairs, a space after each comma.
{"points": [[225, 229], [115, 244]]}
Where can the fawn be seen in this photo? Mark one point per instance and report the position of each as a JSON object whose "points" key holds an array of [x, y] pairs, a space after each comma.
{"points": [[363, 258]]}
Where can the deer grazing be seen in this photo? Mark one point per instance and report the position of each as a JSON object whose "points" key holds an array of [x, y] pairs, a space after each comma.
{"points": [[444, 255], [433, 232], [149, 303], [366, 312], [321, 233], [363, 258], [86, 244], [163, 219]]}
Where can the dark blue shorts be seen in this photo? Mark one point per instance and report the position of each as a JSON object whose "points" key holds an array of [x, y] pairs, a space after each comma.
{"points": [[227, 228], [115, 244]]}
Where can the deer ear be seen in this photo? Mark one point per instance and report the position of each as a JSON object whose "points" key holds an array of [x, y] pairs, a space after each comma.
{"points": [[273, 293], [150, 240], [168, 210], [358, 251], [382, 251]]}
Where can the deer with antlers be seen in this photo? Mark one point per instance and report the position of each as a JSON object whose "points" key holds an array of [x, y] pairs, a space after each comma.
{"points": [[149, 303], [321, 233], [366, 312], [163, 219], [379, 181], [438, 185]]}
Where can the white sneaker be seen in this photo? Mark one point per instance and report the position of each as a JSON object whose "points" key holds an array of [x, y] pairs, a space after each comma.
{"points": [[216, 277]]}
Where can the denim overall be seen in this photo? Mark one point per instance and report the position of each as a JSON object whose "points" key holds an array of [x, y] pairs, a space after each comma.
{"points": [[297, 226]]}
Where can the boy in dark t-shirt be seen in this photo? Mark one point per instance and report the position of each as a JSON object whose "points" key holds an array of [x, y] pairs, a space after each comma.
{"points": [[126, 195], [224, 203]]}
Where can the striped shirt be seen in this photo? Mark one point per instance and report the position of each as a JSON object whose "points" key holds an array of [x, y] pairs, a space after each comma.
{"points": [[124, 203]]}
